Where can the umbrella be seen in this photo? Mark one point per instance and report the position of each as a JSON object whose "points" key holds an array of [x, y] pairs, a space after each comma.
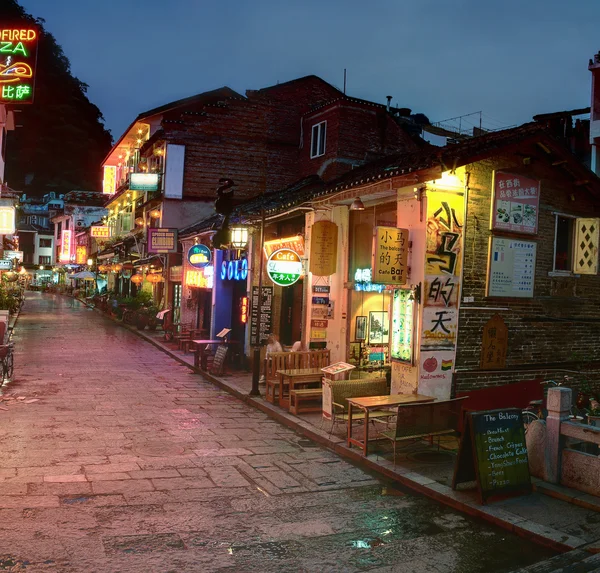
{"points": [[84, 275]]}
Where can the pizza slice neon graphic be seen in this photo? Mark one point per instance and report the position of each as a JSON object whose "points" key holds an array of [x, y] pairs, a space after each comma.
{"points": [[15, 72]]}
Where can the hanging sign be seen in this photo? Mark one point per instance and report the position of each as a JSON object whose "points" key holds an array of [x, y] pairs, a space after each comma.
{"points": [[7, 220], [100, 231], [65, 247], [234, 270], [244, 310], [493, 453], [390, 256], [162, 241], [516, 203], [323, 248], [284, 267], [143, 182], [18, 56], [320, 300], [81, 255], [321, 289], [203, 278], [494, 344], [295, 244], [511, 268], [109, 182], [260, 332], [199, 256]]}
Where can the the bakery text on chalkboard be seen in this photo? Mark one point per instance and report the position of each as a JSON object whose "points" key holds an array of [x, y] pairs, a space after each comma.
{"points": [[493, 453]]}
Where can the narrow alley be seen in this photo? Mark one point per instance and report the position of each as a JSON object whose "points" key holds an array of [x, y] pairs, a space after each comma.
{"points": [[118, 458]]}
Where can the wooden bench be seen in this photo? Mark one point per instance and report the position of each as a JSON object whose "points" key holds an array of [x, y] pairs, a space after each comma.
{"points": [[290, 361], [309, 395], [337, 392], [428, 420]]}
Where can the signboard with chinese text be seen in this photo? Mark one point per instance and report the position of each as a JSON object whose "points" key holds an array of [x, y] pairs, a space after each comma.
{"points": [[260, 332], [403, 318], [202, 278], [109, 182], [295, 244], [100, 231], [66, 246], [18, 56], [390, 256], [323, 248], [143, 182], [81, 255], [199, 256], [494, 344], [516, 203], [7, 220], [284, 267], [14, 255], [511, 270], [162, 240]]}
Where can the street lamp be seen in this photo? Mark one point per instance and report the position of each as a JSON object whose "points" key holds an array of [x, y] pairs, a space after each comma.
{"points": [[239, 237]]}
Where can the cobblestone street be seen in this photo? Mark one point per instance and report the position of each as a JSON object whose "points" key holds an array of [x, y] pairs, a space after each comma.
{"points": [[115, 457]]}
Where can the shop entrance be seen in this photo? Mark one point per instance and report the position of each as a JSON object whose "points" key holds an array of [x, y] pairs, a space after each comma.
{"points": [[290, 327]]}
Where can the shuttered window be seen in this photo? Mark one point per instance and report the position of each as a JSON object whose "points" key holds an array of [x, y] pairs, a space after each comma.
{"points": [[585, 251]]}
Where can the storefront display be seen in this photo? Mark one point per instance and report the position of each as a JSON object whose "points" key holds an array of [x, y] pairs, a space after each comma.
{"points": [[403, 314]]}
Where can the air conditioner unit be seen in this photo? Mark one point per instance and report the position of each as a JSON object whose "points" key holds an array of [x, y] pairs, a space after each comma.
{"points": [[80, 224]]}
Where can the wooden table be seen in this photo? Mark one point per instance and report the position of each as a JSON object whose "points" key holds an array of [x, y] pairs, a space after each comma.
{"points": [[368, 403], [294, 378], [199, 354]]}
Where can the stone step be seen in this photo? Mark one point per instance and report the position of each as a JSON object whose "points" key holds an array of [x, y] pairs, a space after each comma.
{"points": [[576, 561]]}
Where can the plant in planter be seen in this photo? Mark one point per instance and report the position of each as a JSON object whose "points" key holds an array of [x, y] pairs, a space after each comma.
{"points": [[593, 413], [585, 395]]}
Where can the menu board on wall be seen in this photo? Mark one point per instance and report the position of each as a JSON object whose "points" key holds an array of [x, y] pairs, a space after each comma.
{"points": [[266, 312], [493, 452], [323, 248], [403, 307], [516, 203], [511, 267]]}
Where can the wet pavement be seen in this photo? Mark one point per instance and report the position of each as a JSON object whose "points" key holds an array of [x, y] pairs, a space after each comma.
{"points": [[118, 458]]}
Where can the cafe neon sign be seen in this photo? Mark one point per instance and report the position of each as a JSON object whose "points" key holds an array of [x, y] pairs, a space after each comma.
{"points": [[234, 270], [18, 54], [362, 281], [284, 267]]}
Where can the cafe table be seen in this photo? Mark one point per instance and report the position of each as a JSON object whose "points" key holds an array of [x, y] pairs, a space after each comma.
{"points": [[200, 352], [295, 378], [368, 403]]}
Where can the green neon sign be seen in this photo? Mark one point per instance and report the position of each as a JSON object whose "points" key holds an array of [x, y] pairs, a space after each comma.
{"points": [[284, 267]]}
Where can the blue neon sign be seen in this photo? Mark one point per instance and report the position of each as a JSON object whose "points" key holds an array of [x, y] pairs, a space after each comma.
{"points": [[234, 270]]}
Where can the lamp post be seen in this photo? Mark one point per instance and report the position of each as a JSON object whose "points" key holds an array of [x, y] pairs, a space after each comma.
{"points": [[256, 353]]}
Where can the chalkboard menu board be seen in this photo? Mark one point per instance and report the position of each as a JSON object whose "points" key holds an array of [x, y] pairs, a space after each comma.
{"points": [[266, 313], [493, 453], [219, 360]]}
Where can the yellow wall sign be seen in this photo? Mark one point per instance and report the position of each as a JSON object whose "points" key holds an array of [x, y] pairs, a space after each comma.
{"points": [[109, 183], [100, 231], [323, 248], [81, 255], [390, 255], [202, 278], [7, 220]]}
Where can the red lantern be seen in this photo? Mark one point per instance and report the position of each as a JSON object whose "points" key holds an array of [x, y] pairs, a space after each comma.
{"points": [[154, 278], [137, 279], [117, 267]]}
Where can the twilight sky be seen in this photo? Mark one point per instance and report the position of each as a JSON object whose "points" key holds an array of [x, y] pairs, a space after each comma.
{"points": [[511, 59]]}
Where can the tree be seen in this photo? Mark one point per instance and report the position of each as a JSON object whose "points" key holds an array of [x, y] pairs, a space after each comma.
{"points": [[62, 141]]}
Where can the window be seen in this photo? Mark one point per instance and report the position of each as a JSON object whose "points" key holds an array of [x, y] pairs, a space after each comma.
{"points": [[45, 243], [67, 224], [33, 220], [576, 245], [58, 230], [317, 144], [45, 260]]}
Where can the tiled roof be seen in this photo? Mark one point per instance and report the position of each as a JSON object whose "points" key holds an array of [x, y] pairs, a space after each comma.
{"points": [[89, 198]]}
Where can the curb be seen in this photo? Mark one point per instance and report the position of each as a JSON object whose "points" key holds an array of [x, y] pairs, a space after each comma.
{"points": [[458, 500]]}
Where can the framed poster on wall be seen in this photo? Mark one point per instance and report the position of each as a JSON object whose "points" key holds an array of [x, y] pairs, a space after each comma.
{"points": [[361, 328], [511, 268], [379, 328], [516, 203]]}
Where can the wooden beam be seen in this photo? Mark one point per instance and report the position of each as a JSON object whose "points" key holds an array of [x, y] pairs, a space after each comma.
{"points": [[559, 162]]}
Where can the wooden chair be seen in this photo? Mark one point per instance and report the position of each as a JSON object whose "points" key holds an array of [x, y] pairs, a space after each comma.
{"points": [[274, 362], [429, 420]]}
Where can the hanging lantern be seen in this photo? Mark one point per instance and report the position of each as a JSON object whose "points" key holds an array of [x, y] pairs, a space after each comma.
{"points": [[239, 237], [155, 214], [103, 268], [154, 278], [117, 268], [137, 279], [139, 221]]}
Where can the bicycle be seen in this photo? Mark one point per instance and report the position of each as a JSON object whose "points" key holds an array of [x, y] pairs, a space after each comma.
{"points": [[6, 358], [536, 410], [128, 316]]}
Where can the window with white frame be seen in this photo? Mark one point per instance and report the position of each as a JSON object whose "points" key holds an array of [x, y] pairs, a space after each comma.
{"points": [[576, 244], [317, 142]]}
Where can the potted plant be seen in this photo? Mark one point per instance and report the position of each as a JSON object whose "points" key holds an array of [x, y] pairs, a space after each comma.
{"points": [[585, 395], [593, 413]]}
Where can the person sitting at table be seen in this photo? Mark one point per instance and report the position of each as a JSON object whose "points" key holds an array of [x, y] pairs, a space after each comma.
{"points": [[297, 346], [273, 344]]}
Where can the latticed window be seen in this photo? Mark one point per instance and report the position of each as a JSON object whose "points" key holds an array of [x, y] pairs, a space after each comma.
{"points": [[576, 245]]}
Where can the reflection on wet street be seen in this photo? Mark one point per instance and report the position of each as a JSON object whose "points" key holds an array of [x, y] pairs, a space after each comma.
{"points": [[127, 461]]}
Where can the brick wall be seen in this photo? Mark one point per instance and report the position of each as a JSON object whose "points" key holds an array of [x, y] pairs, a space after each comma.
{"points": [[557, 330]]}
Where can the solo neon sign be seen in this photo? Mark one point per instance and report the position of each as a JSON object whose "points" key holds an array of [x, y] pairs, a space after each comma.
{"points": [[234, 270]]}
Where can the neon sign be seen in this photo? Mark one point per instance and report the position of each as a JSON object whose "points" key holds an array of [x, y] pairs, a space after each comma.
{"points": [[18, 53], [65, 247], [244, 310], [234, 270], [284, 267], [109, 183], [362, 281], [7, 220], [200, 279], [81, 255], [199, 256], [100, 232], [295, 244]]}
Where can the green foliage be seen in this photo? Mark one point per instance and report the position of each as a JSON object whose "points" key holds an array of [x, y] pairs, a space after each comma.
{"points": [[63, 139], [7, 301]]}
